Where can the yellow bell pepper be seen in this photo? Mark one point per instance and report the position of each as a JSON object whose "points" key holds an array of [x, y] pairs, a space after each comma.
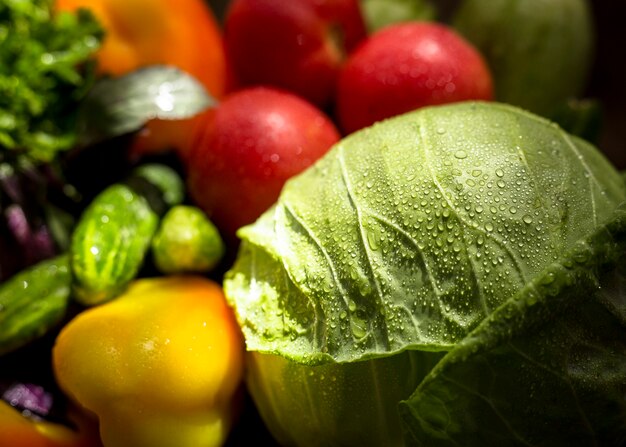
{"points": [[159, 365]]}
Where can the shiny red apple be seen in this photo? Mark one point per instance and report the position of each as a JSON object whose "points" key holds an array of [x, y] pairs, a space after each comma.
{"points": [[406, 66], [254, 141], [297, 45]]}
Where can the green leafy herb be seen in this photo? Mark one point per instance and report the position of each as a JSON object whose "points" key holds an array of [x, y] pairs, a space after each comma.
{"points": [[45, 70]]}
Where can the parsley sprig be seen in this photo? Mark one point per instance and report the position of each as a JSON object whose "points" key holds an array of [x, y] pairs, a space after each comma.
{"points": [[45, 71]]}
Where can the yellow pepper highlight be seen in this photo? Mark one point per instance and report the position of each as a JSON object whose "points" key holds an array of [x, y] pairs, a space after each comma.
{"points": [[159, 365]]}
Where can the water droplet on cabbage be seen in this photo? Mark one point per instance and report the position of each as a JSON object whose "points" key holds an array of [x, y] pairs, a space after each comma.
{"points": [[460, 154]]}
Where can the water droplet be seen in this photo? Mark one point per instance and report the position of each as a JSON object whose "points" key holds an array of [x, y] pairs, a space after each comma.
{"points": [[499, 172], [581, 256], [489, 226], [527, 219], [372, 239], [460, 154], [548, 278], [358, 326]]}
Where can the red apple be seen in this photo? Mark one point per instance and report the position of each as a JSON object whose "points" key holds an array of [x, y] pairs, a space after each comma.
{"points": [[297, 45], [406, 66], [251, 144]]}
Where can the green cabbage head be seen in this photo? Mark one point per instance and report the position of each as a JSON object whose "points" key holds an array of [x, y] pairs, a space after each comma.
{"points": [[539, 51], [451, 276]]}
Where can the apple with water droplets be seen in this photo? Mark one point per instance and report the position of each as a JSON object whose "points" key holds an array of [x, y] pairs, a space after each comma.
{"points": [[406, 66], [247, 148], [297, 45]]}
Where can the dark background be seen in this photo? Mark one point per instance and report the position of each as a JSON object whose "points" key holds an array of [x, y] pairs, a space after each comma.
{"points": [[607, 81], [608, 78]]}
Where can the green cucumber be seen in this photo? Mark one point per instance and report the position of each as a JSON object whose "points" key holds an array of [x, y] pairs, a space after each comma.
{"points": [[33, 301], [114, 232]]}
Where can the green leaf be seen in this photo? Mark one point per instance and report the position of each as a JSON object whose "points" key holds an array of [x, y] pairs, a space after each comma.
{"points": [[407, 235], [547, 368], [117, 106]]}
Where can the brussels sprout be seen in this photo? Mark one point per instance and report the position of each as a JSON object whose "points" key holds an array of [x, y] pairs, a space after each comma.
{"points": [[539, 51], [186, 241], [446, 277]]}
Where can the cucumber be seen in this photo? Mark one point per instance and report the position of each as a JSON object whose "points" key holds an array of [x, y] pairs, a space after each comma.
{"points": [[114, 232], [33, 301]]}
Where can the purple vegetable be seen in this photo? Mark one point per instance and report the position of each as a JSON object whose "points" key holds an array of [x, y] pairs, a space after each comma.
{"points": [[29, 397]]}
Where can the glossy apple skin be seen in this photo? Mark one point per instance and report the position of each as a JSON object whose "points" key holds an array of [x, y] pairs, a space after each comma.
{"points": [[296, 45], [249, 146], [406, 66]]}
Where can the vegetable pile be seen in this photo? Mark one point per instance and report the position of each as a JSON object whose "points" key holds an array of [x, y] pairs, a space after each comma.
{"points": [[337, 222]]}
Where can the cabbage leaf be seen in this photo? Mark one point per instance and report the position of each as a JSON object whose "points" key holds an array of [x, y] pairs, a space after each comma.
{"points": [[463, 264], [408, 236]]}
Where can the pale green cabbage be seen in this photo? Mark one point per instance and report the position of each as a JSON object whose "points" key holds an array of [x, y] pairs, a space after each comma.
{"points": [[446, 277], [540, 52]]}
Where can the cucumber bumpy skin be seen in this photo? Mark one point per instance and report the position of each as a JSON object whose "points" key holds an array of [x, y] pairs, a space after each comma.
{"points": [[33, 301], [114, 233]]}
